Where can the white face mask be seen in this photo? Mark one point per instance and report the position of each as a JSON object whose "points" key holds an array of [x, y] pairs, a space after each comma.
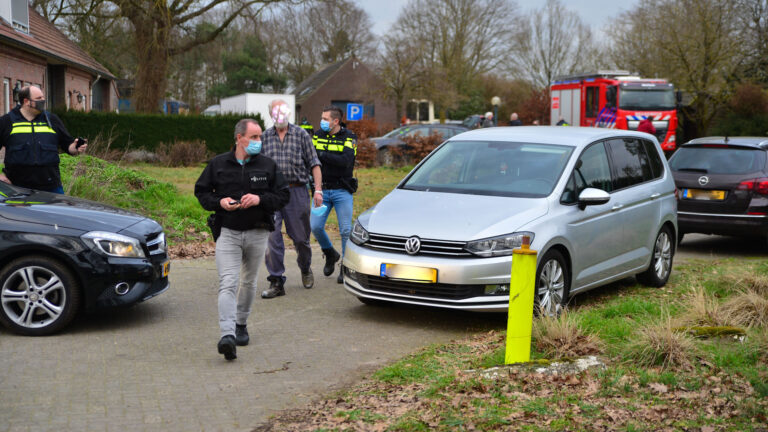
{"points": [[280, 115]]}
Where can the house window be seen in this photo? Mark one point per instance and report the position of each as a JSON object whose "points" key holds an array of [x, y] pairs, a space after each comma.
{"points": [[6, 96]]}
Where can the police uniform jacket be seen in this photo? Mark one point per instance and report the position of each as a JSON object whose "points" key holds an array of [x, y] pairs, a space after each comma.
{"points": [[32, 148], [225, 177], [337, 154]]}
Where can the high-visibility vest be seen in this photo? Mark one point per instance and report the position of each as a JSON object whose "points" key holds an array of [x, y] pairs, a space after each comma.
{"points": [[31, 142]]}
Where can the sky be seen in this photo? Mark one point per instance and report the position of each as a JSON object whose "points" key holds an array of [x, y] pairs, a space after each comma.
{"points": [[595, 13]]}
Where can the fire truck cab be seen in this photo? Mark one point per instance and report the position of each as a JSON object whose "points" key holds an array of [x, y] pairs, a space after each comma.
{"points": [[615, 99]]}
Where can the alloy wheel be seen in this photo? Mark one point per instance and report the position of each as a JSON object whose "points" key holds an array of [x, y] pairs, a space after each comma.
{"points": [[551, 288], [33, 297], [662, 255]]}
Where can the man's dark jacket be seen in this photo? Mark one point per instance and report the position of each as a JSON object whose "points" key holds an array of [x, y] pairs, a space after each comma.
{"points": [[32, 148], [225, 177]]}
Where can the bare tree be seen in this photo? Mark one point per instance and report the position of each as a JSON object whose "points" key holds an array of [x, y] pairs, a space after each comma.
{"points": [[703, 56], [300, 39], [553, 41], [162, 29], [753, 20], [398, 69], [458, 40]]}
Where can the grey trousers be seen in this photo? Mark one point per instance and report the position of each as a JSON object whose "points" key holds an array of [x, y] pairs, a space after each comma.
{"points": [[296, 217], [238, 258]]}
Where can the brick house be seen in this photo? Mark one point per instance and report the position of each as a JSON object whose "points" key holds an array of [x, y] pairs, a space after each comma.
{"points": [[340, 83], [34, 51]]}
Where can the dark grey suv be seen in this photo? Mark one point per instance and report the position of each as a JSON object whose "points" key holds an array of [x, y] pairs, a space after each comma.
{"points": [[722, 184]]}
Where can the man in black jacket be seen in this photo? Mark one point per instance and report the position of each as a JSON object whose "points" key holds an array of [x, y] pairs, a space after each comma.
{"points": [[336, 147], [244, 188], [32, 138]]}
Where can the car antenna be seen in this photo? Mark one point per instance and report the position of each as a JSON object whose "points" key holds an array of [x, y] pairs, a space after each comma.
{"points": [[726, 139]]}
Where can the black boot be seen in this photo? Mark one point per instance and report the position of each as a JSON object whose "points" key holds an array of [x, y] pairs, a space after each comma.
{"points": [[227, 347], [331, 256], [241, 335], [275, 288]]}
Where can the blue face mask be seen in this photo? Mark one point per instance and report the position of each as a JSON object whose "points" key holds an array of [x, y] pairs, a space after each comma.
{"points": [[325, 125], [254, 148]]}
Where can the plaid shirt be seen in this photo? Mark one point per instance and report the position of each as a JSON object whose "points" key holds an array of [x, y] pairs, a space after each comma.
{"points": [[295, 156]]}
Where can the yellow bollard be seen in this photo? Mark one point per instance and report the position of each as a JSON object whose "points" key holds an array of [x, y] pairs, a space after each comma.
{"points": [[522, 285]]}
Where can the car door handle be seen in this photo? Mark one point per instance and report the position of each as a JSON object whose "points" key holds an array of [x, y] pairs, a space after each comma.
{"points": [[617, 207], [656, 195]]}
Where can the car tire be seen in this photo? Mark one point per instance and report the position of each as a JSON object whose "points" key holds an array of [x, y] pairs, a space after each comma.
{"points": [[660, 267], [38, 296], [553, 284]]}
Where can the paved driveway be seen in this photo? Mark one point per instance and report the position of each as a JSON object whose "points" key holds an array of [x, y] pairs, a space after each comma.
{"points": [[155, 366]]}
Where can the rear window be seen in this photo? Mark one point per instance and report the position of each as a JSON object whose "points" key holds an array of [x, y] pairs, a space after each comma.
{"points": [[718, 160]]}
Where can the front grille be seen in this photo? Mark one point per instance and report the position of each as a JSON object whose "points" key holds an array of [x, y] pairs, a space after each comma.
{"points": [[396, 244], [156, 243], [661, 134], [431, 290]]}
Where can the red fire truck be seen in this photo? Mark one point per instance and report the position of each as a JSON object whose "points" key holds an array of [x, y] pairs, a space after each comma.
{"points": [[615, 99]]}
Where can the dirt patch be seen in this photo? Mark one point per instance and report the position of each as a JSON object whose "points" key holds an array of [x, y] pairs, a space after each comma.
{"points": [[190, 250]]}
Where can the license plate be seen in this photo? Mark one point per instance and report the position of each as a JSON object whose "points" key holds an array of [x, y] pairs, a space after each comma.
{"points": [[409, 273], [166, 268], [705, 195]]}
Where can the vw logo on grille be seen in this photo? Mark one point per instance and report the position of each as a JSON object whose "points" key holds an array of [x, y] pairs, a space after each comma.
{"points": [[703, 180], [413, 245]]}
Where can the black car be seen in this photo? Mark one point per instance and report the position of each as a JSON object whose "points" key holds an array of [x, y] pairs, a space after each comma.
{"points": [[722, 184], [396, 137], [60, 255]]}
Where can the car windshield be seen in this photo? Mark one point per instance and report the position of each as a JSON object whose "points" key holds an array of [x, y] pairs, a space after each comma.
{"points": [[647, 99], [492, 168], [718, 160]]}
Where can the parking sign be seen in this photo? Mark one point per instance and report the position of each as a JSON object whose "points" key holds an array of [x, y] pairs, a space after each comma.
{"points": [[354, 112]]}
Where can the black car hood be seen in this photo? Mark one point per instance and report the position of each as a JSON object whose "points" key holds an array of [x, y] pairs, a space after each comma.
{"points": [[67, 212]]}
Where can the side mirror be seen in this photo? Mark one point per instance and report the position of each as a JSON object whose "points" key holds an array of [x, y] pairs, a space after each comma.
{"points": [[592, 196]]}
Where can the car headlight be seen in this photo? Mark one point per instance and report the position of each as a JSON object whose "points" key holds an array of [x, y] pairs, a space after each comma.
{"points": [[498, 246], [112, 244], [359, 235]]}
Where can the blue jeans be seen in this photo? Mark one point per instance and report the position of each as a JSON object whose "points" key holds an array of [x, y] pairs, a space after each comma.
{"points": [[342, 200]]}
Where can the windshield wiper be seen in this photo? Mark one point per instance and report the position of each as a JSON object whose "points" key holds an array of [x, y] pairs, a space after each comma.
{"points": [[701, 170]]}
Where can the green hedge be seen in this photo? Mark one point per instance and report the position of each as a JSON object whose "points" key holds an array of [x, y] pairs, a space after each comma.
{"points": [[133, 131]]}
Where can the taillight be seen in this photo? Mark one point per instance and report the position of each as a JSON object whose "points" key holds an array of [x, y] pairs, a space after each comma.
{"points": [[758, 185]]}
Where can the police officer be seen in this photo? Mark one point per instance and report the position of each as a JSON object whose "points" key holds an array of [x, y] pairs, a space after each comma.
{"points": [[336, 147], [307, 127], [32, 138], [244, 188]]}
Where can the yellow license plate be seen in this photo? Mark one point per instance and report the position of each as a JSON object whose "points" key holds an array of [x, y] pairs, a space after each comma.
{"points": [[409, 273], [706, 195], [166, 268]]}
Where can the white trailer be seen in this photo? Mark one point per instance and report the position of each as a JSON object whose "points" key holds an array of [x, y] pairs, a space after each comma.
{"points": [[252, 103]]}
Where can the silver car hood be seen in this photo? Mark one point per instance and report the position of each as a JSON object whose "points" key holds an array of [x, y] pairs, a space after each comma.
{"points": [[450, 216]]}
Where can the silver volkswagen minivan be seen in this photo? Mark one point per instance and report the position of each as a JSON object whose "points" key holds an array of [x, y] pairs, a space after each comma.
{"points": [[597, 204]]}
